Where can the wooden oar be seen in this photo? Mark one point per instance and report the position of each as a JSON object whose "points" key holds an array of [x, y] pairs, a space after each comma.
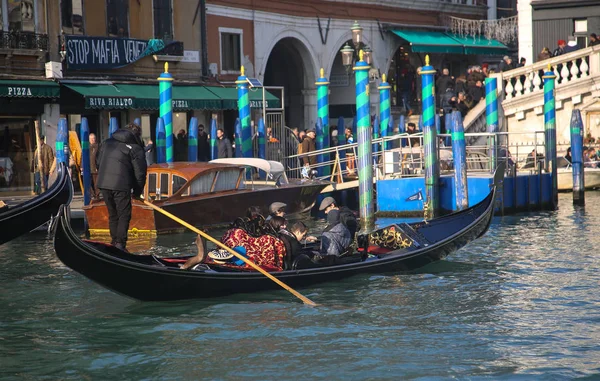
{"points": [[236, 254]]}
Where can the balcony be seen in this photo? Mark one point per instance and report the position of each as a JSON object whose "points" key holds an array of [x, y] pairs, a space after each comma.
{"points": [[23, 40]]}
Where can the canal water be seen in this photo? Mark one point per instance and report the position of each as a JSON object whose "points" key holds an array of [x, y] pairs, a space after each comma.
{"points": [[520, 303]]}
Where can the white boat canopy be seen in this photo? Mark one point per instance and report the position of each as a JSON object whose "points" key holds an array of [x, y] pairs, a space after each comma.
{"points": [[268, 166]]}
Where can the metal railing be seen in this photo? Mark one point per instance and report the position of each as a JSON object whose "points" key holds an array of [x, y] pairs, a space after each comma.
{"points": [[402, 155], [23, 40]]}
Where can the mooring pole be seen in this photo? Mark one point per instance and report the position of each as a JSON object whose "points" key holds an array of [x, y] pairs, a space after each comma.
{"points": [[214, 150], [323, 114], [193, 140], [85, 160], [161, 144], [385, 111], [432, 165], [238, 130], [459, 154], [262, 153], [550, 132], [113, 126], [62, 142], [577, 158], [491, 112], [165, 98], [245, 137], [365, 161]]}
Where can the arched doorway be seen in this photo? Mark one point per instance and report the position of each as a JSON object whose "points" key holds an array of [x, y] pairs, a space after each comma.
{"points": [[290, 65]]}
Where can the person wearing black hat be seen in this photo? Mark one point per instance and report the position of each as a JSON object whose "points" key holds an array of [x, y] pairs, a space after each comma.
{"points": [[308, 145], [121, 175], [594, 40], [347, 216]]}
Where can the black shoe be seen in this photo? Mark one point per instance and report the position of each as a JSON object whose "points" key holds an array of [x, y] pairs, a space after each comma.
{"points": [[121, 247]]}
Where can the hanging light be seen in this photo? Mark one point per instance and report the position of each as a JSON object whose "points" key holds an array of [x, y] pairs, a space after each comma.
{"points": [[367, 54], [356, 34], [347, 55]]}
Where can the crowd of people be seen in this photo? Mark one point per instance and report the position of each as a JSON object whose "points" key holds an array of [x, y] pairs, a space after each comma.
{"points": [[276, 244]]}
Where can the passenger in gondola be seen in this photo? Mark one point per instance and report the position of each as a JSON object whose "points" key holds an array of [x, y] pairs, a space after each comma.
{"points": [[568, 155], [291, 239], [347, 216], [276, 209], [336, 237], [277, 223]]}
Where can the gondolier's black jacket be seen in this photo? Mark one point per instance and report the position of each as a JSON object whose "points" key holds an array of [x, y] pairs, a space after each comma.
{"points": [[122, 163]]}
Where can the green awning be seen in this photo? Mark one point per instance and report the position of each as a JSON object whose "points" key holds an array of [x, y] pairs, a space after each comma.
{"points": [[481, 45], [229, 97], [144, 97], [29, 89], [430, 42], [440, 42]]}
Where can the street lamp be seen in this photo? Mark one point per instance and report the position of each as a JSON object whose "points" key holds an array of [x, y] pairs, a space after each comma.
{"points": [[350, 54], [347, 56], [356, 34]]}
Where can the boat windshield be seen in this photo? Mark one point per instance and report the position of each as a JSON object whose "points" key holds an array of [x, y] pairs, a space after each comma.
{"points": [[223, 180]]}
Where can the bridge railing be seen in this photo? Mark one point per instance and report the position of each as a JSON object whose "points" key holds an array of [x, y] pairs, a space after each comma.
{"points": [[568, 68]]}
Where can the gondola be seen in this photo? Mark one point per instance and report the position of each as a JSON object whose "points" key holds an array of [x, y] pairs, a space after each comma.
{"points": [[395, 248], [25, 217]]}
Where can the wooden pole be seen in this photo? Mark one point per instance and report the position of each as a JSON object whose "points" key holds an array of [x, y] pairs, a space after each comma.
{"points": [[236, 254], [36, 124]]}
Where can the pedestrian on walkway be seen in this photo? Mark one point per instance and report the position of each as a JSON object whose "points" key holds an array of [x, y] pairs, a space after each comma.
{"points": [[46, 160], [121, 175], [224, 148]]}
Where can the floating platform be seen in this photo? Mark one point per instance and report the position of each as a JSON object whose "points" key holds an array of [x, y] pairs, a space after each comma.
{"points": [[406, 196]]}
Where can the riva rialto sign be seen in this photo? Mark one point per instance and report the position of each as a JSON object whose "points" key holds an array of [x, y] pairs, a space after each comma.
{"points": [[102, 52]]}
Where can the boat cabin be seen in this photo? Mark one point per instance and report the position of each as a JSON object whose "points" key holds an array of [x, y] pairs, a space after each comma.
{"points": [[191, 179]]}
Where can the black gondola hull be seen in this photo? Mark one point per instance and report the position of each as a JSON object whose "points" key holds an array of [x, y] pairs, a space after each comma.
{"points": [[25, 217], [147, 278]]}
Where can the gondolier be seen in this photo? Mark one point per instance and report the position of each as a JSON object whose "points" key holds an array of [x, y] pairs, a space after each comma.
{"points": [[121, 175]]}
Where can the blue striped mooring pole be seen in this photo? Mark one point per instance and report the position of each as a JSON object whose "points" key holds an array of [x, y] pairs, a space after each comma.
{"points": [[214, 150], [113, 126], [341, 128], [459, 155], [577, 158], [262, 153], [244, 140], [432, 166], [491, 112], [193, 140], [62, 142], [237, 128], [385, 111], [365, 160], [323, 114], [165, 98], [84, 130], [161, 154], [319, 144], [550, 132]]}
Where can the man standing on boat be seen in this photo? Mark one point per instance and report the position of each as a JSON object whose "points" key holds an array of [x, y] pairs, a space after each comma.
{"points": [[224, 148], [121, 175]]}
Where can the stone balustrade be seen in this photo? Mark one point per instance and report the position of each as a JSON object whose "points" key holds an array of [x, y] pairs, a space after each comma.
{"points": [[568, 68]]}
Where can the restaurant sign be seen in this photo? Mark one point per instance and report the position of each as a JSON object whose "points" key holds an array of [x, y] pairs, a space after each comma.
{"points": [[109, 103], [84, 52], [29, 89]]}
